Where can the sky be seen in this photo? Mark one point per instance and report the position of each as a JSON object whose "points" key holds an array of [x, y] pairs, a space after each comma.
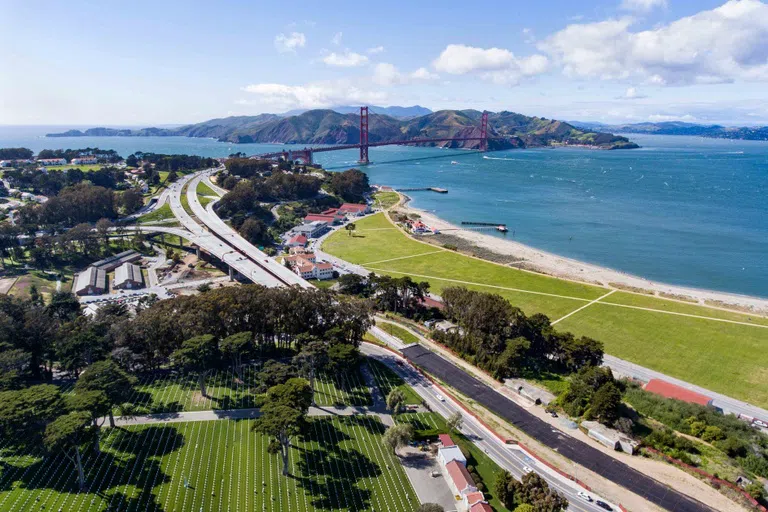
{"points": [[172, 62]]}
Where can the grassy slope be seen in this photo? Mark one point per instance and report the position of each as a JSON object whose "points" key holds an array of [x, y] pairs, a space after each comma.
{"points": [[398, 332], [205, 190], [162, 213], [728, 358], [386, 199]]}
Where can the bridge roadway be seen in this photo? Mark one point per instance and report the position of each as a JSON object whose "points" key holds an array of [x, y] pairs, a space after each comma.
{"points": [[573, 449], [215, 225]]}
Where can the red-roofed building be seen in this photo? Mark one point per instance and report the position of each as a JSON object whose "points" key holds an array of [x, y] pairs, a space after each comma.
{"points": [[329, 219], [474, 498], [446, 440], [459, 479], [669, 390], [429, 302], [297, 241], [307, 266], [481, 507], [354, 209]]}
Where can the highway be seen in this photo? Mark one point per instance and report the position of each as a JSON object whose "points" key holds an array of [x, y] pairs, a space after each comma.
{"points": [[510, 457], [213, 222]]}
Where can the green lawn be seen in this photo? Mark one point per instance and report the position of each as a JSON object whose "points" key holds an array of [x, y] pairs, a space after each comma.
{"points": [[339, 464], [385, 199], [726, 357], [398, 332], [45, 283], [162, 213], [205, 190], [430, 423], [387, 380]]}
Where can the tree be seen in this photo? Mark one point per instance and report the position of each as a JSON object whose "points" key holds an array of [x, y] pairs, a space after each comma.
{"points": [[312, 359], [275, 372], [96, 404], [534, 490], [103, 227], [604, 404], [235, 347], [525, 507], [109, 378], [350, 185], [503, 488], [398, 436], [131, 200], [343, 357], [350, 228], [25, 413], [430, 507], [198, 355], [254, 230], [395, 401], [13, 363], [712, 433], [454, 422], [295, 393], [69, 433]]}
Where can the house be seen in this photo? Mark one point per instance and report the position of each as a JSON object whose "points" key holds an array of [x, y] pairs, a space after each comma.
{"points": [[52, 161], [91, 281], [84, 160], [297, 241], [111, 263], [481, 506], [446, 441], [353, 209], [459, 479], [128, 277], [669, 390], [450, 453], [311, 230], [446, 326], [328, 219], [306, 266], [6, 163]]}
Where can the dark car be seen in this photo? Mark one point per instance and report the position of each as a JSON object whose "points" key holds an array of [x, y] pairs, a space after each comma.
{"points": [[603, 505]]}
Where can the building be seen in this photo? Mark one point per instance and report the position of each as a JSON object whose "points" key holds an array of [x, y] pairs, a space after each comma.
{"points": [[312, 230], [459, 480], [450, 453], [52, 161], [6, 163], [111, 263], [446, 441], [328, 219], [355, 210], [91, 281], [296, 241], [609, 437], [306, 266], [128, 277], [85, 160], [481, 506], [669, 390]]}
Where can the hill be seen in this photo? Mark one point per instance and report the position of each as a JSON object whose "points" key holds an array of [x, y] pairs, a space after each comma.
{"points": [[680, 128], [505, 130], [394, 111]]}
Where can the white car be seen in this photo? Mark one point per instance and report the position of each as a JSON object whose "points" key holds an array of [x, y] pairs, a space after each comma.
{"points": [[585, 496], [760, 423], [440, 397], [527, 469]]}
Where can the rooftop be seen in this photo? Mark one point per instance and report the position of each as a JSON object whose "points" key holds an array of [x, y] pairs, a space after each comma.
{"points": [[446, 440], [459, 474]]}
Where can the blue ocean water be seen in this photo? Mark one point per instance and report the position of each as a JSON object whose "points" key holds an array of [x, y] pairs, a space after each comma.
{"points": [[680, 210]]}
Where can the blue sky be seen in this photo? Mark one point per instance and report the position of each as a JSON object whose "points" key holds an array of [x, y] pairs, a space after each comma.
{"points": [[165, 62]]}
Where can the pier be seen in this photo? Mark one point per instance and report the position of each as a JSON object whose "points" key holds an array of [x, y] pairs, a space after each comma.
{"points": [[501, 227], [424, 189]]}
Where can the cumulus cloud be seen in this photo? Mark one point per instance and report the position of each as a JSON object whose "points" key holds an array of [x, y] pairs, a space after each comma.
{"points": [[632, 94], [289, 43], [387, 74], [642, 5], [336, 39], [716, 46], [313, 95], [375, 50], [496, 64], [347, 59]]}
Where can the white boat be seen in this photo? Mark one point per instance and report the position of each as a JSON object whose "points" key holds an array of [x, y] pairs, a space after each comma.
{"points": [[454, 162]]}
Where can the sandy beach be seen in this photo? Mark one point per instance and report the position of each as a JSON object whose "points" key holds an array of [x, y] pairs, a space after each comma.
{"points": [[560, 266]]}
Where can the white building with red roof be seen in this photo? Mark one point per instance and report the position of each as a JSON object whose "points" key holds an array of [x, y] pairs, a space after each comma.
{"points": [[306, 266], [297, 241], [354, 209]]}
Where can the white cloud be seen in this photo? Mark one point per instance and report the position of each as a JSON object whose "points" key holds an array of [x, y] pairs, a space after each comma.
{"points": [[632, 94], [336, 39], [375, 50], [642, 5], [495, 64], [347, 59], [387, 74], [660, 118], [289, 43], [716, 46], [313, 95]]}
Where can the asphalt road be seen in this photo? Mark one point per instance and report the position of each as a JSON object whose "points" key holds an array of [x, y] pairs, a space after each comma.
{"points": [[509, 457], [579, 452]]}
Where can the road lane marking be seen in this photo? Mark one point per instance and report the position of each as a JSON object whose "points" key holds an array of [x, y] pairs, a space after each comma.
{"points": [[582, 307]]}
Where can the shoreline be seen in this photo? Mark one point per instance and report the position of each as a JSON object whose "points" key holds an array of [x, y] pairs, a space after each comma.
{"points": [[543, 262]]}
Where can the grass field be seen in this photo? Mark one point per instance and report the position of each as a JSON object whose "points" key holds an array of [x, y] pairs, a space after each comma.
{"points": [[340, 464], [398, 332], [45, 283], [701, 345], [385, 199], [161, 214], [387, 380], [205, 190]]}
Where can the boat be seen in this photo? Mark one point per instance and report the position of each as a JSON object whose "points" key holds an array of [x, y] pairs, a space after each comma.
{"points": [[454, 162]]}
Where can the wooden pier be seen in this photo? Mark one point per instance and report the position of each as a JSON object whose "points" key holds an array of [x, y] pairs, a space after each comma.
{"points": [[424, 189], [498, 226]]}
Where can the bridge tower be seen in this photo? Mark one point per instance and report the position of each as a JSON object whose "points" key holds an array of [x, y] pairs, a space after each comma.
{"points": [[363, 136], [484, 132]]}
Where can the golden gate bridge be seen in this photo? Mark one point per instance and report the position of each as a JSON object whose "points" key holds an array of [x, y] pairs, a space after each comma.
{"points": [[306, 154]]}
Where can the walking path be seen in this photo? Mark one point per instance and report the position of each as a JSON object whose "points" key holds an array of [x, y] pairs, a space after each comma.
{"points": [[583, 307]]}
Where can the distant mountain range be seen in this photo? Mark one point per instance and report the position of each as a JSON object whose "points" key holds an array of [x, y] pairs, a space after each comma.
{"points": [[680, 128], [505, 130]]}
